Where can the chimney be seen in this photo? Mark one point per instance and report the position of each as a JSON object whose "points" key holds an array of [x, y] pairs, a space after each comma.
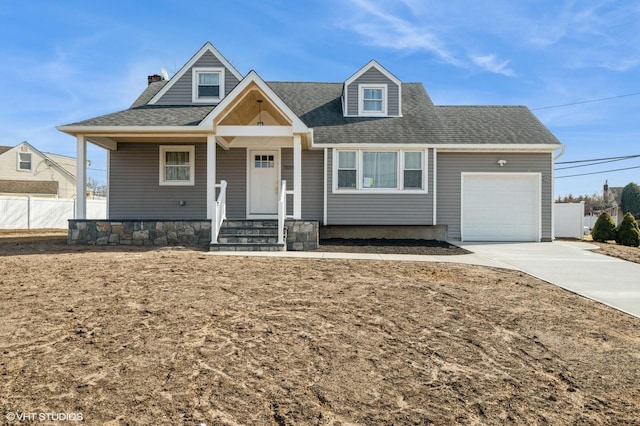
{"points": [[605, 189], [154, 78]]}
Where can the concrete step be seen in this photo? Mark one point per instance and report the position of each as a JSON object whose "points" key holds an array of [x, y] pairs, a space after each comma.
{"points": [[248, 239], [247, 247], [267, 223]]}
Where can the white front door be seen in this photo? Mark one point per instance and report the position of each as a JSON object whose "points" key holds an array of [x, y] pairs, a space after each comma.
{"points": [[264, 170]]}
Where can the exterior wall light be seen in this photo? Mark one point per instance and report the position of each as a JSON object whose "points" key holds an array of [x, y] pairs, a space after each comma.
{"points": [[501, 163]]}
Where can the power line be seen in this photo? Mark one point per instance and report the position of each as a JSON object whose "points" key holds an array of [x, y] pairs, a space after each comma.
{"points": [[596, 163], [597, 173], [623, 157], [586, 102]]}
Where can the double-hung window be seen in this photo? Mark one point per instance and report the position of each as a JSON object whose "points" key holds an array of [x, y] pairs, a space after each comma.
{"points": [[24, 161], [208, 85], [347, 176], [373, 100], [177, 165], [390, 170]]}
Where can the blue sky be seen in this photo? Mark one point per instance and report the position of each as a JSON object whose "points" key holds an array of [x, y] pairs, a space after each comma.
{"points": [[64, 61]]}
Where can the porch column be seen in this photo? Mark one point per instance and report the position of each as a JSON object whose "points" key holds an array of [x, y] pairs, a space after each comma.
{"points": [[81, 177], [297, 177], [211, 174]]}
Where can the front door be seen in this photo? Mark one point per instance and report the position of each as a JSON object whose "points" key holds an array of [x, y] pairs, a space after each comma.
{"points": [[263, 183]]}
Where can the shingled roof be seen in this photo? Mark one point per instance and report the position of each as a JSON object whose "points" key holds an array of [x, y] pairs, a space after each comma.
{"points": [[29, 187], [319, 106], [4, 149]]}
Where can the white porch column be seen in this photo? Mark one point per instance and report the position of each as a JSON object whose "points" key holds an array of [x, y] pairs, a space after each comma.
{"points": [[81, 177], [211, 174], [297, 177]]}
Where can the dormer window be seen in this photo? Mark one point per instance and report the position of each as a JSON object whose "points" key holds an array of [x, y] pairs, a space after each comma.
{"points": [[373, 100], [208, 85]]}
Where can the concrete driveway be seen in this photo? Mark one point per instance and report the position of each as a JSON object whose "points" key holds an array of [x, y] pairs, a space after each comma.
{"points": [[573, 266]]}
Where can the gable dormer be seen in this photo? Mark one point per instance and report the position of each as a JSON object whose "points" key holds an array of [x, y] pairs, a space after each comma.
{"points": [[206, 79], [372, 92]]}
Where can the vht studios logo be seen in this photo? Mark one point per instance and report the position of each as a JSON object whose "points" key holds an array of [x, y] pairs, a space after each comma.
{"points": [[44, 417]]}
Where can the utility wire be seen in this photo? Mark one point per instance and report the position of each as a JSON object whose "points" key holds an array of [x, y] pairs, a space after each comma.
{"points": [[623, 157], [597, 173], [586, 102], [593, 163]]}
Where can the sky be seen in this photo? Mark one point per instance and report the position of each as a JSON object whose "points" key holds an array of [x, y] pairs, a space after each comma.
{"points": [[65, 61]]}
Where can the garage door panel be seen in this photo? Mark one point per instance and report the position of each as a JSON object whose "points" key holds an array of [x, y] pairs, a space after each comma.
{"points": [[502, 207]]}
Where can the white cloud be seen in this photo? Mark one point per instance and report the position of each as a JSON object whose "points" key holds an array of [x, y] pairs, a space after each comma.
{"points": [[491, 63]]}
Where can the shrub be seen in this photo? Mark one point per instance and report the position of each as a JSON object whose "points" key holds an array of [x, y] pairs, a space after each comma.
{"points": [[628, 232], [604, 229], [630, 199]]}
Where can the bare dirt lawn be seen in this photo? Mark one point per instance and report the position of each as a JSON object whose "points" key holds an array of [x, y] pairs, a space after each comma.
{"points": [[166, 337]]}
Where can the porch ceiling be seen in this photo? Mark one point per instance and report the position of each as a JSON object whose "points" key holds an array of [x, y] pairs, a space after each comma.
{"points": [[246, 109]]}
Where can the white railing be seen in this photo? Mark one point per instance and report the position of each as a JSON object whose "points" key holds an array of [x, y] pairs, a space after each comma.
{"points": [[219, 211], [282, 211]]}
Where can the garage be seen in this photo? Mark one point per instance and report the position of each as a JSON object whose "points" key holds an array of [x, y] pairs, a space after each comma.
{"points": [[500, 207]]}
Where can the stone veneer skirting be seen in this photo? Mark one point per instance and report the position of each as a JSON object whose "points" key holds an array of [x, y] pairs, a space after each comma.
{"points": [[301, 235]]}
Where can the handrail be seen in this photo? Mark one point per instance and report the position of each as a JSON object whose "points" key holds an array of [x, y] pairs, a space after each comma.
{"points": [[282, 211], [219, 211]]}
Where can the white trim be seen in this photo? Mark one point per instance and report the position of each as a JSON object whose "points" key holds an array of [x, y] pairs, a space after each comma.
{"points": [[325, 191], [373, 64], [446, 147], [18, 161], [297, 125], [434, 182], [385, 103], [195, 71], [211, 174], [278, 156], [81, 180], [108, 183], [191, 149], [538, 194], [255, 131], [208, 47], [399, 178], [297, 177]]}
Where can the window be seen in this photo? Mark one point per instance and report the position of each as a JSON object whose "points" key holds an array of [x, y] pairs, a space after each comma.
{"points": [[412, 170], [373, 100], [177, 165], [24, 161], [264, 162], [381, 171], [347, 169], [208, 85]]}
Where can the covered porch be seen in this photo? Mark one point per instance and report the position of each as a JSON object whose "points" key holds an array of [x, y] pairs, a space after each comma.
{"points": [[244, 163]]}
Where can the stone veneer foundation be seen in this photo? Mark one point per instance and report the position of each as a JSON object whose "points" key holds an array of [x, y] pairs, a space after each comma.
{"points": [[301, 235]]}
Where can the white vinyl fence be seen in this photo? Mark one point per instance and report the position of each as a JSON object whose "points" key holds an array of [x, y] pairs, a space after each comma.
{"points": [[568, 220], [34, 212]]}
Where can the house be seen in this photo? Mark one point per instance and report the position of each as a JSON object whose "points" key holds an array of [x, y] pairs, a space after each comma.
{"points": [[215, 154], [26, 171]]}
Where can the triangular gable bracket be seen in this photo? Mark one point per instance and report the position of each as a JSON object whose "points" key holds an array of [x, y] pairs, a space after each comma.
{"points": [[238, 93]]}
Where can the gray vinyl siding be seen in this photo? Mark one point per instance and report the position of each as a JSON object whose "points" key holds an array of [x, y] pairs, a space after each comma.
{"points": [[134, 190], [450, 168], [312, 184], [366, 208], [373, 76], [232, 167], [181, 91], [286, 173]]}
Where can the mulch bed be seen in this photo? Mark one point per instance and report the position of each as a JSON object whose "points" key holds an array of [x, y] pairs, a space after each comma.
{"points": [[391, 246]]}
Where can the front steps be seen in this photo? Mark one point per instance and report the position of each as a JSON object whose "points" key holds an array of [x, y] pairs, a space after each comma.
{"points": [[249, 235]]}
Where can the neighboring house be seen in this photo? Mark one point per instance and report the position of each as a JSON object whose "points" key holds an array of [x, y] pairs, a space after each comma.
{"points": [[26, 171], [364, 156]]}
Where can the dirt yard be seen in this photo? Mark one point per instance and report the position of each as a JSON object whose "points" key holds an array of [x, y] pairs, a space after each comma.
{"points": [[166, 337]]}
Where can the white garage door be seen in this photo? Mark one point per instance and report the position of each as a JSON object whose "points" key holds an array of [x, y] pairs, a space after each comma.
{"points": [[500, 207]]}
